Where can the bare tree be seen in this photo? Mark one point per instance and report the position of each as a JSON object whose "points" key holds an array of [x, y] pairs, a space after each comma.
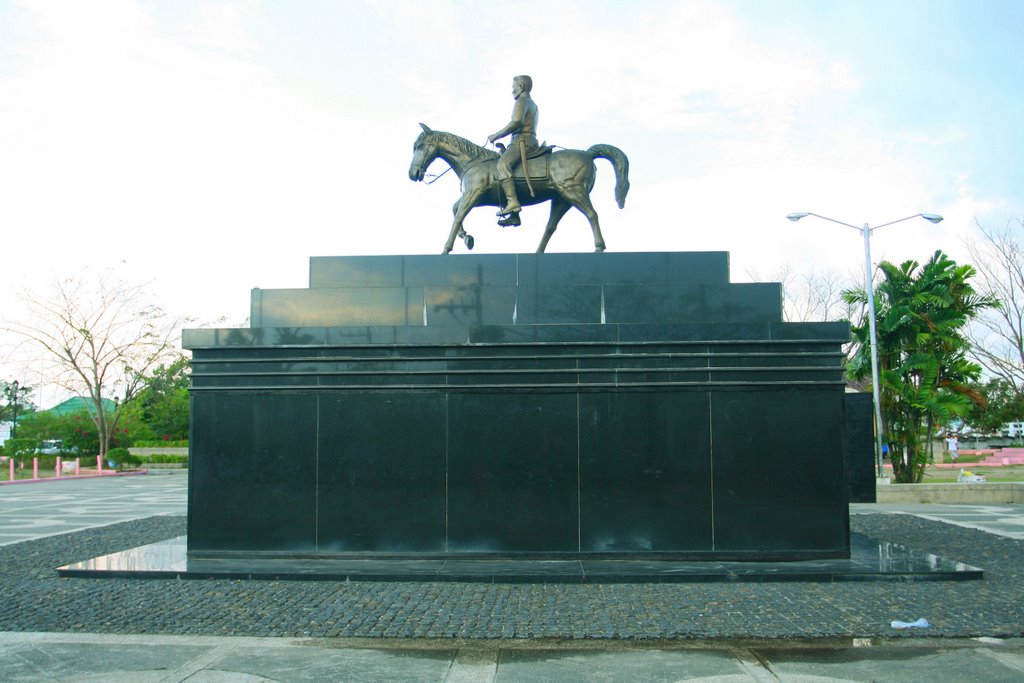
{"points": [[814, 296], [997, 338], [103, 336]]}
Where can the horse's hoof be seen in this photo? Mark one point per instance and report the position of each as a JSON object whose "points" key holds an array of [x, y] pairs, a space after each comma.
{"points": [[599, 249], [446, 250], [468, 239]]}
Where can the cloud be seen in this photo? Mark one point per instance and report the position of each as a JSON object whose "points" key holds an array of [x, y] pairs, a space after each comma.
{"points": [[214, 146]]}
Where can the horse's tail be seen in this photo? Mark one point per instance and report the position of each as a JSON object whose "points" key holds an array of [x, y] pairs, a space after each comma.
{"points": [[621, 164]]}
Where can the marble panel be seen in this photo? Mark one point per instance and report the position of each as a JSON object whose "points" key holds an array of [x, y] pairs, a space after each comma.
{"points": [[252, 471], [778, 471], [381, 472], [645, 472], [512, 472]]}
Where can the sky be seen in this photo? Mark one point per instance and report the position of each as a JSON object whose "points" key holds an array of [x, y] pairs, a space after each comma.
{"points": [[205, 148]]}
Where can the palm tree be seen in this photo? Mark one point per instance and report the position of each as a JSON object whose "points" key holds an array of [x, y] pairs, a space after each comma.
{"points": [[924, 373]]}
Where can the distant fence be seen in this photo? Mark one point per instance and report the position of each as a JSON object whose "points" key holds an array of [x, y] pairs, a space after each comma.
{"points": [[61, 469]]}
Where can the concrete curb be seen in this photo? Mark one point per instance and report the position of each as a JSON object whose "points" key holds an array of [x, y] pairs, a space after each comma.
{"points": [[70, 477], [988, 493]]}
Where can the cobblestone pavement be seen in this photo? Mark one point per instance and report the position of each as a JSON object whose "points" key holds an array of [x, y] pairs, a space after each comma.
{"points": [[34, 598]]}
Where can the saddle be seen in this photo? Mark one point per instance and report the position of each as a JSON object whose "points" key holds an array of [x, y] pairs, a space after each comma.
{"points": [[537, 164]]}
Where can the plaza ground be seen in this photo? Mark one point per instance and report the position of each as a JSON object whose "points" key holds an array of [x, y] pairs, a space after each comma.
{"points": [[53, 628]]}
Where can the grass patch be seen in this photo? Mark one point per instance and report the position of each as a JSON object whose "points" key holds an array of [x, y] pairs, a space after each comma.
{"points": [[965, 457], [1006, 473]]}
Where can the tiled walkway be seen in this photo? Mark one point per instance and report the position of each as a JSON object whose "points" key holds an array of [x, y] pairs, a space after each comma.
{"points": [[47, 508], [1002, 520]]}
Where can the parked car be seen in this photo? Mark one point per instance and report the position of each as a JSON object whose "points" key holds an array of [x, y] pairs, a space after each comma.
{"points": [[54, 447]]}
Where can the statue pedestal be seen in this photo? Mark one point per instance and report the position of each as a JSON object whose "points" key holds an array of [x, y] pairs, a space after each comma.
{"points": [[562, 405]]}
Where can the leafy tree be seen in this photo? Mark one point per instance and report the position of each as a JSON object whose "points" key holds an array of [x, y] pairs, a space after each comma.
{"points": [[924, 371], [16, 405], [166, 400], [1003, 403], [163, 403], [103, 337]]}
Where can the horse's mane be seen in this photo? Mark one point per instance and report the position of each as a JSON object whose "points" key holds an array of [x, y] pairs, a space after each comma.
{"points": [[462, 144]]}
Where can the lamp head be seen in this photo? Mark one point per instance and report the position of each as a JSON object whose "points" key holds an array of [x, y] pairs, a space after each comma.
{"points": [[932, 217], [797, 216]]}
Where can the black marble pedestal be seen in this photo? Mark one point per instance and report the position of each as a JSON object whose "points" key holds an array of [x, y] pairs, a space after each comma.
{"points": [[551, 406]]}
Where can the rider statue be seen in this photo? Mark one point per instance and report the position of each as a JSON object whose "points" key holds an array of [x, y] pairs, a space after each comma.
{"points": [[523, 128]]}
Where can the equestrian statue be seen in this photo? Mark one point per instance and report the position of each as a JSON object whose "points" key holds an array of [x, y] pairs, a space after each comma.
{"points": [[525, 172]]}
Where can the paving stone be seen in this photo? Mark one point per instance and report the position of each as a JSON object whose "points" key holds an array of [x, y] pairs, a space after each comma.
{"points": [[34, 598]]}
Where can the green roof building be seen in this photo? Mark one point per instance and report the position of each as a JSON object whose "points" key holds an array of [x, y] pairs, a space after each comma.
{"points": [[78, 404]]}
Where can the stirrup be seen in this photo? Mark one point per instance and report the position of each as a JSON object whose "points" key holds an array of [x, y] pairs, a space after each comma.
{"points": [[509, 212]]}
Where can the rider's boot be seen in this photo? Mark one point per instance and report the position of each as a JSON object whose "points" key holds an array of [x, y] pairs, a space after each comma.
{"points": [[508, 185], [511, 220]]}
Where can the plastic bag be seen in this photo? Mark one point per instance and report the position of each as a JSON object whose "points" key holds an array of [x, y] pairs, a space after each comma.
{"points": [[920, 623]]}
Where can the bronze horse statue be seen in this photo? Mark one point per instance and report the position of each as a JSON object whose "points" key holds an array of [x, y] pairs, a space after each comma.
{"points": [[570, 178]]}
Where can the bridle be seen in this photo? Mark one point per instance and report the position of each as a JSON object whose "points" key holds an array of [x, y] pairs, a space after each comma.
{"points": [[434, 177]]}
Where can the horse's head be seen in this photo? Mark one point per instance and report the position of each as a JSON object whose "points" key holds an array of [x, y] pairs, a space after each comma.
{"points": [[424, 151]]}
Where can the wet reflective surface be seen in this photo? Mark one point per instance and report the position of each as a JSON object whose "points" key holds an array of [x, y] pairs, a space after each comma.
{"points": [[523, 304], [792, 334], [539, 270], [516, 289], [870, 560]]}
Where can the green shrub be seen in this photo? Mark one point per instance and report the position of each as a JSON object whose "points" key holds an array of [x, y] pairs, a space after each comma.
{"points": [[180, 443], [123, 458], [20, 447], [130, 462]]}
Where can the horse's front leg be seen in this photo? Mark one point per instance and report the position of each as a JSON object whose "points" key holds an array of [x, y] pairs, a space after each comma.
{"points": [[465, 205]]}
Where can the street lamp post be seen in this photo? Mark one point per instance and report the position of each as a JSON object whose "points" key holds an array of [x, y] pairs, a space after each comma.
{"points": [[873, 335]]}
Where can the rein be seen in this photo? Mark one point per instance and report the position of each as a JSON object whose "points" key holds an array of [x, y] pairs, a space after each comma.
{"points": [[434, 177]]}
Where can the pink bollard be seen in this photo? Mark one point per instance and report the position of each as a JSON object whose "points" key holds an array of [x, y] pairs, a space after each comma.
{"points": [[58, 467], [99, 465], [12, 469], [35, 468], [78, 467]]}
